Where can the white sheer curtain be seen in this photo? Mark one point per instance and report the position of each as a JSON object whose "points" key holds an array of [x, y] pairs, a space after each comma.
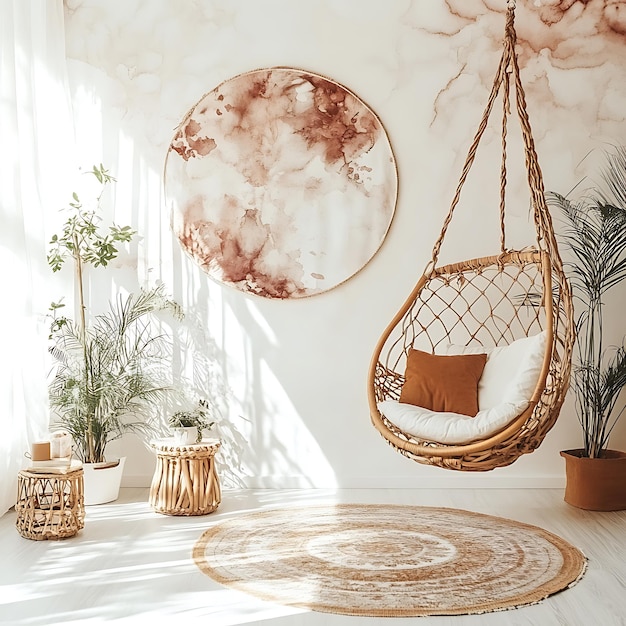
{"points": [[36, 139]]}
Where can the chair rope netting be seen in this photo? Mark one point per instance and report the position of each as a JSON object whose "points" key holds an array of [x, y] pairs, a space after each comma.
{"points": [[490, 301]]}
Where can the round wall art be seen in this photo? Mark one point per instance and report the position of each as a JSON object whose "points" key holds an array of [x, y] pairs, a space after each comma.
{"points": [[281, 183]]}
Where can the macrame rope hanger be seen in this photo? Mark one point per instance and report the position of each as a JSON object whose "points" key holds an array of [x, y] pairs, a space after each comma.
{"points": [[508, 66]]}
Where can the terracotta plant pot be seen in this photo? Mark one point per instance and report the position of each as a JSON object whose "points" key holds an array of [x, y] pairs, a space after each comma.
{"points": [[595, 484]]}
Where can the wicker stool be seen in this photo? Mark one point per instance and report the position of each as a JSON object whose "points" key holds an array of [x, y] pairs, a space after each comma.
{"points": [[49, 506], [185, 480]]}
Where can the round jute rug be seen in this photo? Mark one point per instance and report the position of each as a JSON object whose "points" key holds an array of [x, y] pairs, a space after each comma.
{"points": [[386, 561]]}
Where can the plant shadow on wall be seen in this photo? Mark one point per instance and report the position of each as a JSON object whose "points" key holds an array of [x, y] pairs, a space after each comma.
{"points": [[199, 380], [287, 447], [114, 372], [594, 234]]}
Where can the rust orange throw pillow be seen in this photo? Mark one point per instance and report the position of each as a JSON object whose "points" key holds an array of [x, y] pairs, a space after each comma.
{"points": [[443, 383]]}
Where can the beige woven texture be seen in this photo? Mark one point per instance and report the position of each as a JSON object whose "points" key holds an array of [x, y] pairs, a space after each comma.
{"points": [[185, 480], [491, 301], [49, 506]]}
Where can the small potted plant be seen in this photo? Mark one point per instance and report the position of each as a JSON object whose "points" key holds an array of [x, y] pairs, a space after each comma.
{"points": [[188, 426], [595, 235]]}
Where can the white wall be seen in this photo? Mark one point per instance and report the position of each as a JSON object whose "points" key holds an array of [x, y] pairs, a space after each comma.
{"points": [[295, 371]]}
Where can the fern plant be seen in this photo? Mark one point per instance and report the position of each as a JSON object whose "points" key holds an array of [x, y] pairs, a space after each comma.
{"points": [[109, 377], [595, 234], [196, 418]]}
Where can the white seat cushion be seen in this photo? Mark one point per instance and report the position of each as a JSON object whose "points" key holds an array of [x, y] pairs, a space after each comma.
{"points": [[504, 392], [449, 428]]}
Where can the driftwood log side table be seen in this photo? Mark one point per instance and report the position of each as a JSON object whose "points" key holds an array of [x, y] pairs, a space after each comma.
{"points": [[185, 480], [50, 505]]}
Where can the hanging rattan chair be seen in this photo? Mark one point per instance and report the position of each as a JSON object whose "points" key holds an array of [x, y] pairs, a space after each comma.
{"points": [[491, 301]]}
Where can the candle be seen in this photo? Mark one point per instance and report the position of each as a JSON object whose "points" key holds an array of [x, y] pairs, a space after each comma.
{"points": [[60, 445], [40, 451]]}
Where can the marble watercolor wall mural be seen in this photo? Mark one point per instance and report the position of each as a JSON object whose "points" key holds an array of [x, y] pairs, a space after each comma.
{"points": [[572, 55], [281, 183]]}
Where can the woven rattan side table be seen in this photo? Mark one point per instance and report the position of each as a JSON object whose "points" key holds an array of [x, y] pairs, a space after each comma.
{"points": [[185, 480], [49, 505]]}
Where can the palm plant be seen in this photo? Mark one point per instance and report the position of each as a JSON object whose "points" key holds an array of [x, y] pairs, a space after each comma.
{"points": [[595, 234], [109, 377]]}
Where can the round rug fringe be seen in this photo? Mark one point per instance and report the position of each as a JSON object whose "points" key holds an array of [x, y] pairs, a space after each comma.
{"points": [[388, 560]]}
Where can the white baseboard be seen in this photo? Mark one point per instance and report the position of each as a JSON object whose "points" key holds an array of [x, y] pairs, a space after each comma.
{"points": [[447, 480]]}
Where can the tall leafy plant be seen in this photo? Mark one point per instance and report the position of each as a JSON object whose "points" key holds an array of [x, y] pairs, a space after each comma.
{"points": [[109, 377], [595, 234]]}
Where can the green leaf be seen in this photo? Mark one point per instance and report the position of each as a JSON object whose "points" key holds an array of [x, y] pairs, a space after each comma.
{"points": [[98, 174]]}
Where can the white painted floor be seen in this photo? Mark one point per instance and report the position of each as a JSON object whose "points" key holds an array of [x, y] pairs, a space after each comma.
{"points": [[130, 565]]}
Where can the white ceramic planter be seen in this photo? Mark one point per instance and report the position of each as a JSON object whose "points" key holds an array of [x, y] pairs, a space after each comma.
{"points": [[102, 481], [184, 435]]}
